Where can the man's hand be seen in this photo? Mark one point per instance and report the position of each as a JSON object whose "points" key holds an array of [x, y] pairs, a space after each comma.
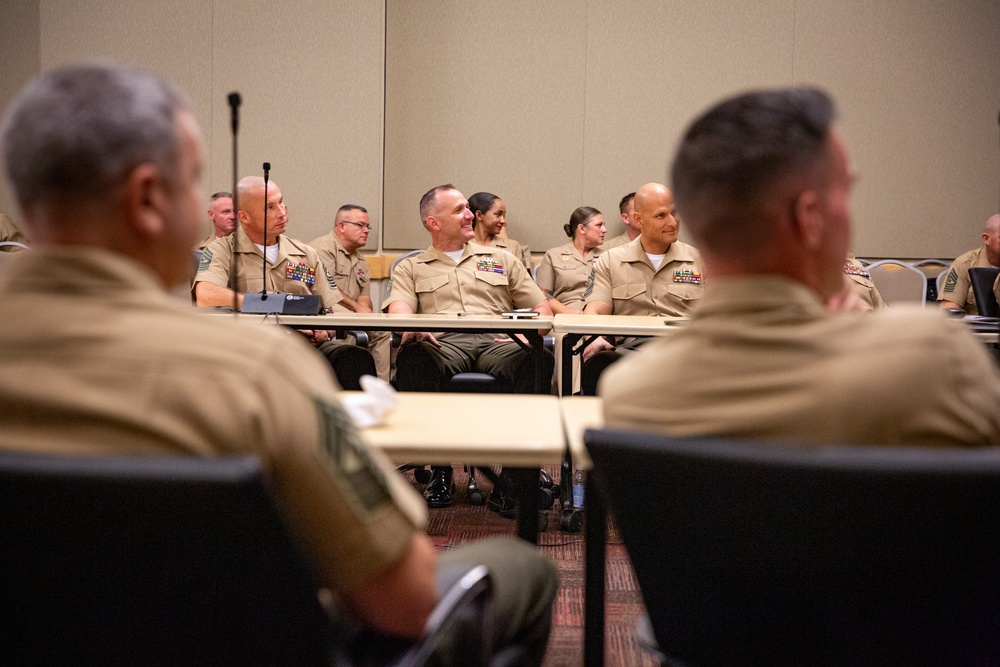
{"points": [[316, 336], [598, 345], [416, 337]]}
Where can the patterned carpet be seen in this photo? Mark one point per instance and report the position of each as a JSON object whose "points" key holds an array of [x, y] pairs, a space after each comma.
{"points": [[463, 522]]}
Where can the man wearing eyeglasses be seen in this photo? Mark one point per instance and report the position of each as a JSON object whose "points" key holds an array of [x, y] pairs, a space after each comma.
{"points": [[338, 251]]}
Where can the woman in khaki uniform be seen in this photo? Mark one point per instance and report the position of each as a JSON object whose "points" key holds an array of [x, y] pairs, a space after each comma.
{"points": [[564, 271], [489, 223]]}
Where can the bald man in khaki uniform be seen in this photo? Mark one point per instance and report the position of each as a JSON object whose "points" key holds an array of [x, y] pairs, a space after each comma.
{"points": [[237, 262], [134, 374], [339, 252], [957, 290], [455, 275], [653, 275], [763, 357]]}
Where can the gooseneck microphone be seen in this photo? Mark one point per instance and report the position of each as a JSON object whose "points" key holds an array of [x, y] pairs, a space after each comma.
{"points": [[234, 100], [263, 290]]}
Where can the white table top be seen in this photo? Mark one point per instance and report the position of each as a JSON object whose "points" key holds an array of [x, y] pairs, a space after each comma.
{"points": [[616, 325], [523, 430], [578, 414], [400, 322]]}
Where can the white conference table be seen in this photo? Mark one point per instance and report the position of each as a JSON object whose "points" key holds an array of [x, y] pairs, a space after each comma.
{"points": [[532, 329], [480, 430], [573, 332]]}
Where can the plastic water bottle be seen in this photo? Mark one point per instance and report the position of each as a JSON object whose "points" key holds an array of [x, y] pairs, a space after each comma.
{"points": [[578, 485]]}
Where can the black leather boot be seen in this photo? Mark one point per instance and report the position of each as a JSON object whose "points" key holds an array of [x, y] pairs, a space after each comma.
{"points": [[438, 494], [502, 499]]}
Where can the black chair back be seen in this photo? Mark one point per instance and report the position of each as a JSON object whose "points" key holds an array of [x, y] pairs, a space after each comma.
{"points": [[982, 280], [754, 554], [151, 561]]}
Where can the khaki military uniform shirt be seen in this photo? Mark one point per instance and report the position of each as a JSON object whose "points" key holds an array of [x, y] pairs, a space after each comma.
{"points": [[350, 270], [619, 240], [515, 248], [205, 241], [624, 279], [10, 232], [485, 280], [236, 263], [862, 284], [957, 286], [563, 274], [138, 371], [353, 277], [763, 359]]}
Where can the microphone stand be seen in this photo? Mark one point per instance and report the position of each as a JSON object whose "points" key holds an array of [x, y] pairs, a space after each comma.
{"points": [[234, 103], [263, 290]]}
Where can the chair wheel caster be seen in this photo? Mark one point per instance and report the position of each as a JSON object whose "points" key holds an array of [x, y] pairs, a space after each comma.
{"points": [[476, 497], [571, 521], [545, 498], [421, 475]]}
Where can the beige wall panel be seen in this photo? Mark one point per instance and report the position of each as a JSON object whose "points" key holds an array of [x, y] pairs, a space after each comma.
{"points": [[652, 66], [310, 75], [19, 53], [490, 96], [918, 85]]}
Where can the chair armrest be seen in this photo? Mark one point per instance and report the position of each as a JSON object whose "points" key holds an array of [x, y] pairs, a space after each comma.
{"points": [[466, 606], [360, 337]]}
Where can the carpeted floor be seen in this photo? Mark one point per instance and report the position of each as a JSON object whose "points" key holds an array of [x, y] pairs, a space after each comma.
{"points": [[463, 522]]}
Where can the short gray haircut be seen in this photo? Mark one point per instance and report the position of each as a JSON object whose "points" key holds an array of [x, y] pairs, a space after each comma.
{"points": [[76, 132]]}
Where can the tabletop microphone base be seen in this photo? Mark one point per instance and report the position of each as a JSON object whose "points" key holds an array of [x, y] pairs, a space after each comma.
{"points": [[283, 304]]}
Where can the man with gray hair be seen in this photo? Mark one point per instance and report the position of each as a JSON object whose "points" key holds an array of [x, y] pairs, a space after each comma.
{"points": [[221, 215], [105, 163], [762, 182]]}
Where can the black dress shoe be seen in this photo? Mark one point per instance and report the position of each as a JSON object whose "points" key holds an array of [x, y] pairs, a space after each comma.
{"points": [[438, 494], [502, 503]]}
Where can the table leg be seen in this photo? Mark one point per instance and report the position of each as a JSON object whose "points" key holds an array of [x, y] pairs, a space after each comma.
{"points": [[525, 483], [596, 535]]}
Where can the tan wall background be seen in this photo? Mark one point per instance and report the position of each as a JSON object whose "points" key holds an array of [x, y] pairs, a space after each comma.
{"points": [[550, 105]]}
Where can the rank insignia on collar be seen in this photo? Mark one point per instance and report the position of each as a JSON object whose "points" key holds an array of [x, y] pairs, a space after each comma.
{"points": [[489, 265], [852, 270], [687, 276], [301, 272]]}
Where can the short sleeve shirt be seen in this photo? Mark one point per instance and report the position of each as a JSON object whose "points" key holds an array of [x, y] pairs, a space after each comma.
{"points": [[236, 263], [350, 270], [862, 284], [563, 274], [624, 279], [957, 286], [518, 250], [485, 280]]}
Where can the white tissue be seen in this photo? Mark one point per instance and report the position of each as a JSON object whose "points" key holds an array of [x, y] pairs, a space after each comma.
{"points": [[376, 400]]}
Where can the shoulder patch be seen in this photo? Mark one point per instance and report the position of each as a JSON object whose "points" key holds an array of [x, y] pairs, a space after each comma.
{"points": [[951, 282], [388, 289], [349, 457], [590, 284], [206, 259]]}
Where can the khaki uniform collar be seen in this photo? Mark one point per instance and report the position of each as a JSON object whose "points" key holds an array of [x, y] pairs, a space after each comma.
{"points": [[677, 252], [286, 247]]}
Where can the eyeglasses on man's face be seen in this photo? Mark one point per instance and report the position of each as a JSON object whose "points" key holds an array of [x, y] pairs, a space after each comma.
{"points": [[362, 225]]}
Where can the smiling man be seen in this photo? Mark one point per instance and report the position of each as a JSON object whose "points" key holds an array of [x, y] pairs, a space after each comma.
{"points": [[237, 263], [455, 275], [655, 274]]}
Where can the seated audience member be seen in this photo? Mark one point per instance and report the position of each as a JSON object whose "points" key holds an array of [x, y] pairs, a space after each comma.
{"points": [[762, 181], [564, 271], [626, 208], [653, 275], [454, 275], [860, 283], [490, 224], [957, 290], [222, 216], [105, 164], [339, 252], [10, 232], [237, 262]]}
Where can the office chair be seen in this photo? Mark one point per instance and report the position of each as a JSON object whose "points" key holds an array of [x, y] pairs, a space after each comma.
{"points": [[899, 282], [755, 554], [982, 280], [166, 561]]}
